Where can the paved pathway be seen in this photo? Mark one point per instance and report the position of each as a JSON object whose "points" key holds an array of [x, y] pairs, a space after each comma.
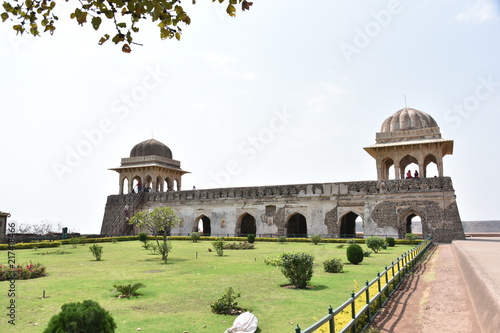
{"points": [[434, 298]]}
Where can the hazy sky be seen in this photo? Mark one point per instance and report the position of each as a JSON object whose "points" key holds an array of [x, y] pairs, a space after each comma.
{"points": [[290, 92]]}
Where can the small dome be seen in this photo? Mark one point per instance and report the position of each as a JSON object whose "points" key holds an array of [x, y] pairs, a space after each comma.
{"points": [[151, 147], [408, 119]]}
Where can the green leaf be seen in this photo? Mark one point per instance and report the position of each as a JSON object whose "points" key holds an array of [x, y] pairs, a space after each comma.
{"points": [[231, 10], [96, 22], [121, 25], [4, 16]]}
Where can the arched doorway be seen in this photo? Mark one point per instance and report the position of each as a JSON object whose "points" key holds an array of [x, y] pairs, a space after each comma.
{"points": [[125, 187], [203, 226], [247, 225], [348, 225], [408, 163], [413, 224], [137, 184], [388, 169], [296, 226]]}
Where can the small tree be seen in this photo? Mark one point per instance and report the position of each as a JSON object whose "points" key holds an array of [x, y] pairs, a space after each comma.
{"points": [[297, 268], [227, 303], [411, 237], [315, 239], [96, 251], [391, 242], [282, 239], [218, 246], [195, 237], [354, 254], [128, 290], [159, 221], [87, 316], [375, 243], [334, 265], [251, 238]]}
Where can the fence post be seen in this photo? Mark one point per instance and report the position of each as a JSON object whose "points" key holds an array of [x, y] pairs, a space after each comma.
{"points": [[386, 282], [368, 301], [332, 322], [379, 289], [353, 310]]}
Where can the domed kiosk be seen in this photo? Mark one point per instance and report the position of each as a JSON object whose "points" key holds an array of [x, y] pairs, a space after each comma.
{"points": [[409, 136], [149, 168]]}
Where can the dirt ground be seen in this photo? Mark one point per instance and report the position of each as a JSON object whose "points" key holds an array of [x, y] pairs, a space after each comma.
{"points": [[433, 298]]}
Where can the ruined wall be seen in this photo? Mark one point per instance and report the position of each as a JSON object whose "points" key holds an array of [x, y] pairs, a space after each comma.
{"points": [[383, 206]]}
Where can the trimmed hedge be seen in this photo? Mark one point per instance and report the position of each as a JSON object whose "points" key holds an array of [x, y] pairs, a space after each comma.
{"points": [[20, 246]]}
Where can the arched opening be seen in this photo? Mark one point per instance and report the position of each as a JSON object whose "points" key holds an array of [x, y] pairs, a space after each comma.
{"points": [[124, 186], [159, 184], [296, 226], [168, 185], [430, 166], [388, 169], [203, 226], [177, 184], [408, 165], [348, 225], [137, 185], [413, 224], [360, 228], [148, 184], [247, 225]]}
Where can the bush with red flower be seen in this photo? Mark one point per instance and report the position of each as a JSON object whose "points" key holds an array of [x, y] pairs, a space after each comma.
{"points": [[22, 272]]}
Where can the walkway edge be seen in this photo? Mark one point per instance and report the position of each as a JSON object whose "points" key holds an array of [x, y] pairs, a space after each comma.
{"points": [[481, 290]]}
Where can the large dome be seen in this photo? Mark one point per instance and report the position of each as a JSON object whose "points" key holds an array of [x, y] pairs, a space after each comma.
{"points": [[408, 119], [151, 147]]}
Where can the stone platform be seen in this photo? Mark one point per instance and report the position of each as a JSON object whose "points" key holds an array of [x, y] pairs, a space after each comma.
{"points": [[479, 262]]}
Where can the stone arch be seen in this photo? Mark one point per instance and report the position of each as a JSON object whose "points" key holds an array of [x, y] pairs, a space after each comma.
{"points": [[202, 224], [404, 162], [124, 186], [405, 222], [430, 158], [387, 172], [296, 225], [169, 184], [246, 225], [137, 185], [159, 184], [148, 182], [348, 225]]}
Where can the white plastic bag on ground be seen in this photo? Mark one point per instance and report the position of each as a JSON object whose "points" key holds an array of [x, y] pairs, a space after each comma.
{"points": [[244, 323]]}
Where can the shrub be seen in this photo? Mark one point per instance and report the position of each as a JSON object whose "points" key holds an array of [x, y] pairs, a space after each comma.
{"points": [[239, 246], [227, 303], [315, 239], [164, 249], [195, 237], [251, 238], [96, 251], [391, 242], [281, 239], [297, 268], [87, 316], [340, 246], [366, 253], [274, 261], [375, 243], [22, 272], [74, 241], [354, 254], [334, 265], [411, 237], [143, 237], [128, 290], [218, 246]]}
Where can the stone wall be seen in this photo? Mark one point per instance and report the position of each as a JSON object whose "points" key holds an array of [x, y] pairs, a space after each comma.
{"points": [[383, 206]]}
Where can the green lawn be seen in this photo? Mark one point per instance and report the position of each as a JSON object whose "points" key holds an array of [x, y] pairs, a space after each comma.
{"points": [[178, 295]]}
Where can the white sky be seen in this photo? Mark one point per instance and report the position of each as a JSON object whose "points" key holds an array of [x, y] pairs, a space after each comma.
{"points": [[312, 81]]}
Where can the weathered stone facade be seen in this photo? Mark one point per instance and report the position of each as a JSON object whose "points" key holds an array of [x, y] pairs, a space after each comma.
{"points": [[386, 207]]}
